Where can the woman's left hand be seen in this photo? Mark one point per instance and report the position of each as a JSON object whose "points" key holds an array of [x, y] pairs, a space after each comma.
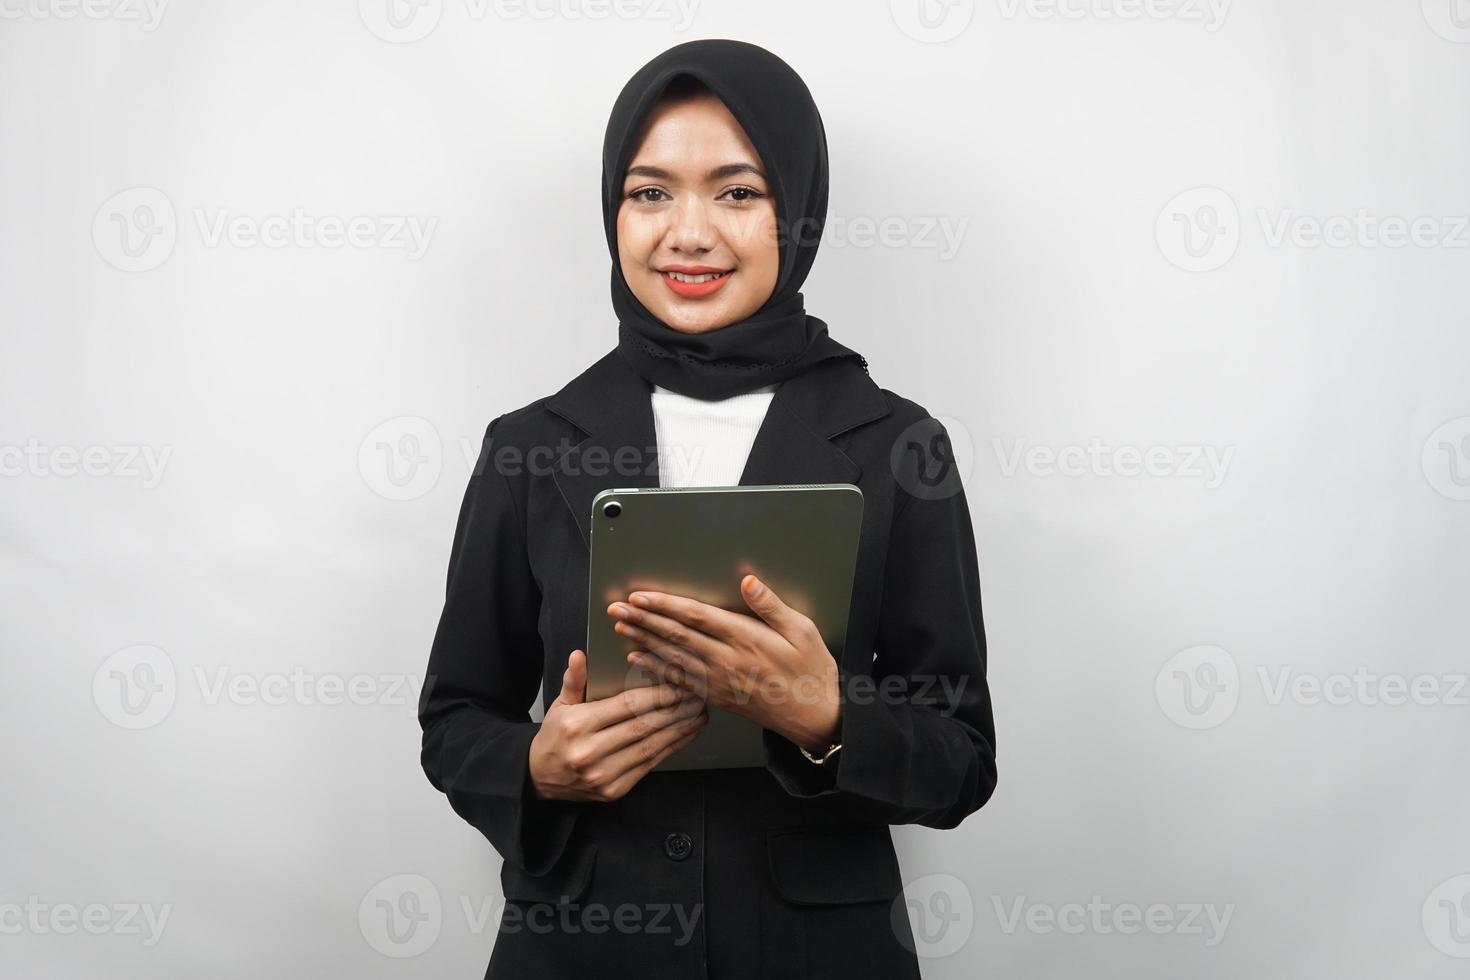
{"points": [[775, 670]]}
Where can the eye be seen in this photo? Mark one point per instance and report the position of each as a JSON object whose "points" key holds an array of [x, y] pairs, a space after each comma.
{"points": [[649, 195], [743, 195]]}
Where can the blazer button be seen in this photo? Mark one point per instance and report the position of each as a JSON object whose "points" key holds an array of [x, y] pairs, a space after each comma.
{"points": [[678, 846]]}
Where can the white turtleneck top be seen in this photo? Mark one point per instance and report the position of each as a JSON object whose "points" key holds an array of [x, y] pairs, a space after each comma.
{"points": [[706, 443]]}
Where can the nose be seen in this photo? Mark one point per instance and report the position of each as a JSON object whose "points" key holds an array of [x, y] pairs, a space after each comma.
{"points": [[691, 230]]}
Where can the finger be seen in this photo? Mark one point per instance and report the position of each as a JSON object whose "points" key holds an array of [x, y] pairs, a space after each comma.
{"points": [[647, 754], [701, 617], [691, 637], [615, 737], [631, 703], [681, 664], [672, 666], [765, 603], [573, 680]]}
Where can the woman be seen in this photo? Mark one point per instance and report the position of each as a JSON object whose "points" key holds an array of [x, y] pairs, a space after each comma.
{"points": [[714, 192]]}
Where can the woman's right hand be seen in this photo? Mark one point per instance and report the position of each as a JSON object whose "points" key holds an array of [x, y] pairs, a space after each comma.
{"points": [[599, 750]]}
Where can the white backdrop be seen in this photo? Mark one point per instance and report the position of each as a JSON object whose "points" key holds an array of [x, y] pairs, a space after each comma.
{"points": [[1185, 278]]}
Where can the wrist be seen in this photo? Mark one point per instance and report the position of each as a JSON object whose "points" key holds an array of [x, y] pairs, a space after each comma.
{"points": [[824, 722], [533, 785]]}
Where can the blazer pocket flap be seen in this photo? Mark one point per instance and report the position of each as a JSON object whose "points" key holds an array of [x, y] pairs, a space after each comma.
{"points": [[563, 884], [834, 866]]}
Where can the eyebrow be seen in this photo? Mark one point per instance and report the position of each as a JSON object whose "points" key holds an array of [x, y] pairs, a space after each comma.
{"points": [[719, 173]]}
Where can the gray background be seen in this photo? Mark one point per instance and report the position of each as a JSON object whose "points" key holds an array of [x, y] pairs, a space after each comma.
{"points": [[1177, 234]]}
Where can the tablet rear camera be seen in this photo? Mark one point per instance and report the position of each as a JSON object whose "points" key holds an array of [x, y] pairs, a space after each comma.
{"points": [[611, 509]]}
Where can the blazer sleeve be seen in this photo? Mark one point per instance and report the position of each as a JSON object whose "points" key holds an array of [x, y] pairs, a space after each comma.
{"points": [[917, 733], [484, 673]]}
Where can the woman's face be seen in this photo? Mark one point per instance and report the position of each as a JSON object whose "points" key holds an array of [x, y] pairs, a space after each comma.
{"points": [[697, 227]]}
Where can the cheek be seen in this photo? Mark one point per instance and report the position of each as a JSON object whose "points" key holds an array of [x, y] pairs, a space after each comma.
{"points": [[759, 249], [636, 240]]}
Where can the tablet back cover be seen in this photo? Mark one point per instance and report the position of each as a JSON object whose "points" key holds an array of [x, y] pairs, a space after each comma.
{"points": [[699, 542]]}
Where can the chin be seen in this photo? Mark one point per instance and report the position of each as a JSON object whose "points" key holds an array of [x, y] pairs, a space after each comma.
{"points": [[701, 325], [685, 320]]}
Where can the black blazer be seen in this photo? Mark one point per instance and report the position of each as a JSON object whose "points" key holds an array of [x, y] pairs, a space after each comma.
{"points": [[786, 871]]}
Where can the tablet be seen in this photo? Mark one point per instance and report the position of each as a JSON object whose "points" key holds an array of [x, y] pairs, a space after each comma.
{"points": [[802, 540]]}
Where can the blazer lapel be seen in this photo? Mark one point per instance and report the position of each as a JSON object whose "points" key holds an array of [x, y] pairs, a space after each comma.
{"points": [[788, 450], [611, 404], [795, 442]]}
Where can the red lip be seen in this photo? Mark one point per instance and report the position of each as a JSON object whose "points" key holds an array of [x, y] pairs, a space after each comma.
{"points": [[695, 290], [693, 270]]}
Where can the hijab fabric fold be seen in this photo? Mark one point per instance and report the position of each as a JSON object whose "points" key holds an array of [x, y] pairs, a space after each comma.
{"points": [[775, 108]]}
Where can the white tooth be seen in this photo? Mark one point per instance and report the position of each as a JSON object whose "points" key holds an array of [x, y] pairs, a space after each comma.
{"points": [[702, 277]]}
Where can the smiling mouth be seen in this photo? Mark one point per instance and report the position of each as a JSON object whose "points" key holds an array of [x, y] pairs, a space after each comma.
{"points": [[695, 282], [697, 278]]}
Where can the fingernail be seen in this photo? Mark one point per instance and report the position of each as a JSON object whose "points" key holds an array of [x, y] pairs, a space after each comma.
{"points": [[638, 599]]}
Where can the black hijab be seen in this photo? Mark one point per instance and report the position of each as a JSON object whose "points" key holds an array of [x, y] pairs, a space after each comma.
{"points": [[773, 105]]}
